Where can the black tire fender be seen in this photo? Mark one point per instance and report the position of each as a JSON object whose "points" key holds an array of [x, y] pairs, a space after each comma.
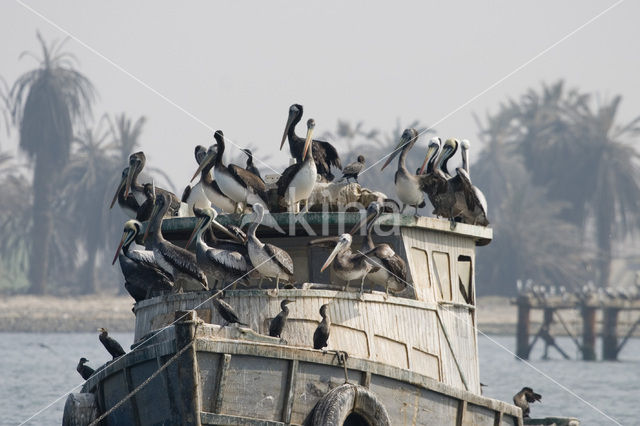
{"points": [[337, 404]]}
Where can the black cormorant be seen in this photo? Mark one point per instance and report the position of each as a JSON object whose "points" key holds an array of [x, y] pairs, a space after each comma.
{"points": [[352, 170], [84, 370], [249, 165], [110, 344], [226, 312], [321, 335], [277, 324], [524, 397]]}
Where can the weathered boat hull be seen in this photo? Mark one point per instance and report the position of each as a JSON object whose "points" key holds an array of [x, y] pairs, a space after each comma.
{"points": [[232, 382]]}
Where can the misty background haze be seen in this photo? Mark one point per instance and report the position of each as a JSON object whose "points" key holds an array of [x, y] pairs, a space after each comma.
{"points": [[238, 67]]}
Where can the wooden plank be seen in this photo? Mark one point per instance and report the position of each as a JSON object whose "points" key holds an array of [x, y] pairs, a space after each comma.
{"points": [[221, 419], [290, 391], [225, 360]]}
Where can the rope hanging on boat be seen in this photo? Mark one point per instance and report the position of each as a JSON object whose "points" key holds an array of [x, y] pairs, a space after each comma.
{"points": [[141, 385]]}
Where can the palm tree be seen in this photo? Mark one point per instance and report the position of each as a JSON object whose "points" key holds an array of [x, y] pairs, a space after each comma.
{"points": [[46, 103], [86, 183]]}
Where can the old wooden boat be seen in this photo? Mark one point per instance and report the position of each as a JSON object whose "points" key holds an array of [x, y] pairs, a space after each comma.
{"points": [[410, 358]]}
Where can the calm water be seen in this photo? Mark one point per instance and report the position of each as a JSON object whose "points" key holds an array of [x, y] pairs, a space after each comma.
{"points": [[38, 368]]}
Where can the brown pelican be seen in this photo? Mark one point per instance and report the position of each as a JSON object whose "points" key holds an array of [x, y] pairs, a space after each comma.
{"points": [[249, 165], [225, 261], [297, 181], [141, 273], [352, 170], [348, 266], [475, 211], [277, 324], [321, 335], [392, 269], [227, 313], [207, 191], [447, 198], [235, 182], [137, 162], [181, 264], [324, 154], [112, 346], [524, 397], [127, 203], [84, 370], [407, 184], [270, 261]]}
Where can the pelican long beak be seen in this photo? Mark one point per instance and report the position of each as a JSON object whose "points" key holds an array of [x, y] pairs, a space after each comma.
{"points": [[307, 142], [443, 155], [207, 159], [132, 169], [115, 197], [195, 231], [115, 257], [332, 256], [396, 151], [286, 130], [426, 158], [224, 229], [362, 223]]}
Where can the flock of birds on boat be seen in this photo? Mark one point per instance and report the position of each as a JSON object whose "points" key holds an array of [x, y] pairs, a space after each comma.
{"points": [[229, 188]]}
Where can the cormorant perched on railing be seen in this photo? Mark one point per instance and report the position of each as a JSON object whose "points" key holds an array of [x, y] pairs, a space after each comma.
{"points": [[407, 184], [321, 335], [142, 274], [249, 165], [324, 154], [269, 260], [298, 180], [524, 397], [226, 312], [84, 370], [225, 261], [278, 323], [352, 170], [181, 264], [137, 162], [112, 346], [235, 182], [128, 203]]}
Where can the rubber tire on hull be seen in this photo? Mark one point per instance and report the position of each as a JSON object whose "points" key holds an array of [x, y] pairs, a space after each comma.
{"points": [[80, 409], [334, 407]]}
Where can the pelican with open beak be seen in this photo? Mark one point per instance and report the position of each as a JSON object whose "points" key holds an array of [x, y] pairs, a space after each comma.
{"points": [[298, 180], [407, 184]]}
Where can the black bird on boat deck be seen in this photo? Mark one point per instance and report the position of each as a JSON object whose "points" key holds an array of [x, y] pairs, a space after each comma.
{"points": [[127, 203], [112, 346], [352, 170], [324, 154], [524, 397], [321, 335], [407, 184], [278, 323], [235, 182], [142, 274], [249, 165], [179, 263], [84, 370], [137, 162], [227, 312]]}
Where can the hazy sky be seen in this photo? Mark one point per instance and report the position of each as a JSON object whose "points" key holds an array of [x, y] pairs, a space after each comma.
{"points": [[237, 66]]}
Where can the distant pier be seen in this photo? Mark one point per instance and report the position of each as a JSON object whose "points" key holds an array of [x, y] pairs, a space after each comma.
{"points": [[588, 305]]}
